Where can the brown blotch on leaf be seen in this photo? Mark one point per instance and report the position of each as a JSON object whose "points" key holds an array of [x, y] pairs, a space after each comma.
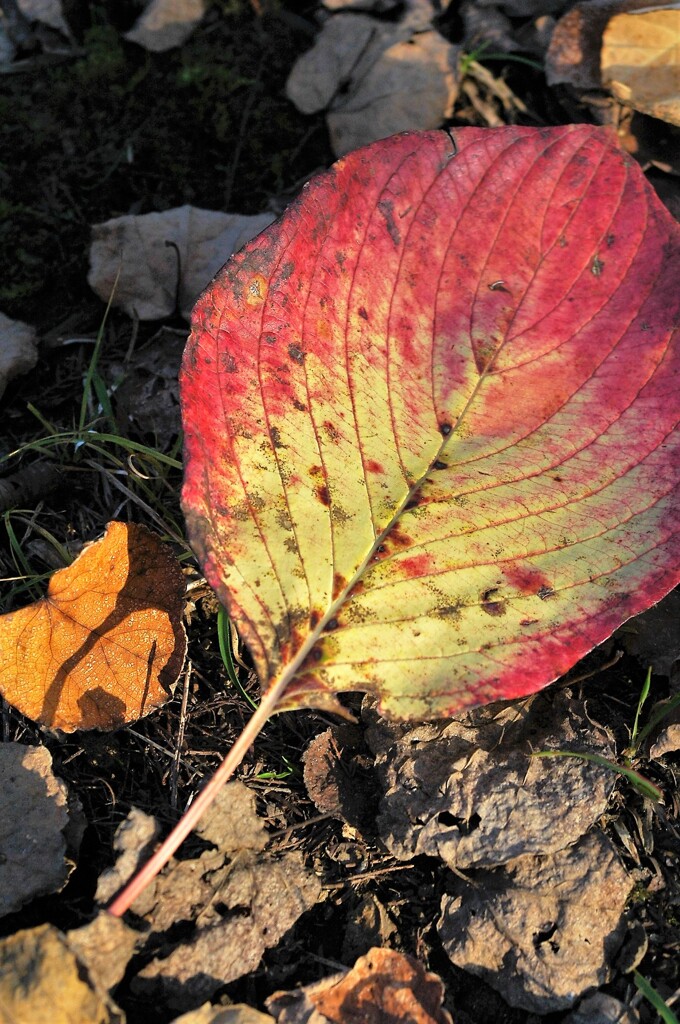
{"points": [[296, 354], [362, 313], [545, 592], [324, 496], [445, 429], [439, 464], [332, 624], [300, 406]]}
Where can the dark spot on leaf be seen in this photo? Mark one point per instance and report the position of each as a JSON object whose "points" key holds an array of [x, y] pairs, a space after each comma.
{"points": [[381, 548], [413, 503], [493, 607], [386, 207], [316, 654], [227, 362], [374, 467], [439, 464], [597, 266], [528, 622], [314, 617], [275, 435], [445, 429], [287, 270], [300, 406], [323, 494], [332, 624], [557, 479], [545, 592], [610, 240], [270, 339], [362, 313], [331, 431], [296, 354], [339, 584]]}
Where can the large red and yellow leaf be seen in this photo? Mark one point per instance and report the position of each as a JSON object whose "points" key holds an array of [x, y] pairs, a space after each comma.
{"points": [[431, 419]]}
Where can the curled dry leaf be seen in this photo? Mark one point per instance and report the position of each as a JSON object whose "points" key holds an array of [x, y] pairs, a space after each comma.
{"points": [[446, 481], [469, 791], [18, 349], [641, 61], [383, 985], [160, 261], [106, 643], [543, 930], [33, 818], [376, 78]]}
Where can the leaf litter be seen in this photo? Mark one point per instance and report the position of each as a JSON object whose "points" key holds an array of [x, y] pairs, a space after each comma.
{"points": [[594, 1005]]}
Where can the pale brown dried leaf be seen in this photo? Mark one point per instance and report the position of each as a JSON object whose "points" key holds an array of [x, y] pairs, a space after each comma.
{"points": [[165, 24], [543, 930], [468, 790], [33, 817], [18, 349]]}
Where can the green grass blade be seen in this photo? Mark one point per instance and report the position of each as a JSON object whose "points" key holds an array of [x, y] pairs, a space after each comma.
{"points": [[91, 370], [643, 697], [653, 997], [639, 782], [224, 641]]}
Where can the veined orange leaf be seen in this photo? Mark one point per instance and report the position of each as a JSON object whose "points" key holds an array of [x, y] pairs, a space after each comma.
{"points": [[430, 419]]}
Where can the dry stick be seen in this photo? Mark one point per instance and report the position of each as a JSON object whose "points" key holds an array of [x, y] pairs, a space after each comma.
{"points": [[191, 816]]}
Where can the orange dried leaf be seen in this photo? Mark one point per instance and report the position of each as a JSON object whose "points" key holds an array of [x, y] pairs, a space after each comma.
{"points": [[106, 643]]}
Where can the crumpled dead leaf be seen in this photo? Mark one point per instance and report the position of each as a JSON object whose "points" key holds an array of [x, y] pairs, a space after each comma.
{"points": [[241, 900], [382, 986], [18, 349], [42, 980], [33, 817], [376, 78], [106, 644], [543, 930], [339, 776], [165, 259], [165, 24], [667, 739], [148, 397], [573, 55], [104, 946], [640, 61], [601, 1008], [132, 844], [467, 789]]}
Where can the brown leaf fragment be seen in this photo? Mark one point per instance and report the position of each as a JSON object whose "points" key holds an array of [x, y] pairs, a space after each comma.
{"points": [[105, 947], [148, 398], [543, 930], [640, 61], [260, 902], [242, 901], [368, 925], [601, 1008], [133, 842], [467, 789], [383, 986], [667, 739], [239, 1013], [339, 778], [18, 349], [165, 24], [41, 980], [159, 260], [375, 78], [106, 644], [33, 818], [573, 55]]}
